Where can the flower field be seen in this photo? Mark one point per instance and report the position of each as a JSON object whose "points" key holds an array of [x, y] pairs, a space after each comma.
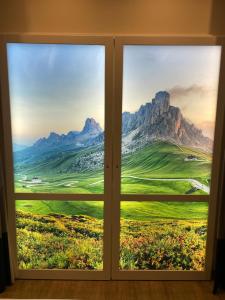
{"points": [[69, 235], [59, 242], [163, 245]]}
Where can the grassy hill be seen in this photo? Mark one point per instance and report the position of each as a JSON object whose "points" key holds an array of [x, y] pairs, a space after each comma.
{"points": [[166, 160], [60, 171], [90, 208], [159, 160], [163, 160]]}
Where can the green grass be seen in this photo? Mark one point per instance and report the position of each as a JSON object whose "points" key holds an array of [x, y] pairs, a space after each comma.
{"points": [[55, 169], [82, 183], [159, 160], [165, 160], [131, 210], [90, 208], [141, 186], [146, 211]]}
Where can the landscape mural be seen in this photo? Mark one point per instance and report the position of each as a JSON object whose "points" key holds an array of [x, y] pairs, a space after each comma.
{"points": [[59, 234], [57, 111], [163, 235], [168, 120]]}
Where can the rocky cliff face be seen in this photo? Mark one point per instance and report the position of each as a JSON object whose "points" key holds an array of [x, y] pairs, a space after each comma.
{"points": [[158, 120]]}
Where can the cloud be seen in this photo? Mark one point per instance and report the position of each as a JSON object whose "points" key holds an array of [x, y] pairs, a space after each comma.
{"points": [[181, 91]]}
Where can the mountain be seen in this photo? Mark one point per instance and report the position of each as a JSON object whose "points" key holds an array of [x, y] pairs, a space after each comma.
{"points": [[79, 151], [158, 120], [91, 127], [75, 151], [72, 140]]}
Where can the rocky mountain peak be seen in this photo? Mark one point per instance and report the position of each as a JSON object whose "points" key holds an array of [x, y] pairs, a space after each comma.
{"points": [[91, 127], [73, 139], [72, 133], [158, 120], [162, 101], [53, 135]]}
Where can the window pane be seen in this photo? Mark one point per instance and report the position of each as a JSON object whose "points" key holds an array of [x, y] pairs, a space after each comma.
{"points": [[59, 234], [163, 235], [57, 112], [168, 120]]}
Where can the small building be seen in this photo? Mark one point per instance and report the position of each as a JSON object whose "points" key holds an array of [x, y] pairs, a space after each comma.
{"points": [[191, 158], [36, 180]]}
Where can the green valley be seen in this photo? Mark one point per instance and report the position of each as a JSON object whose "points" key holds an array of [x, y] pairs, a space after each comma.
{"points": [[158, 168]]}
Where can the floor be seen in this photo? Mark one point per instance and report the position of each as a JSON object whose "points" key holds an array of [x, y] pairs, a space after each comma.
{"points": [[108, 290]]}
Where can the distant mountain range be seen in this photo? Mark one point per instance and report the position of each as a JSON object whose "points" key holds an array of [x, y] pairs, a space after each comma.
{"points": [[154, 121], [91, 134]]}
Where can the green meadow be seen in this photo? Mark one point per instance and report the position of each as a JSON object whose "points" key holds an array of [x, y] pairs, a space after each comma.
{"points": [[154, 235], [165, 161], [79, 183], [90, 208], [159, 168]]}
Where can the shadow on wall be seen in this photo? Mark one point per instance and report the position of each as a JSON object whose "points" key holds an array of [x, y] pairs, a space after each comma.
{"points": [[217, 22], [13, 11]]}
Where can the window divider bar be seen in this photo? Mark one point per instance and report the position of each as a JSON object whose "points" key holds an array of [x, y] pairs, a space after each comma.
{"points": [[59, 197], [166, 198]]}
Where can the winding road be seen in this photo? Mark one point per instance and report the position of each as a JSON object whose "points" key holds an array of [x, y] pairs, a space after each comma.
{"points": [[195, 183]]}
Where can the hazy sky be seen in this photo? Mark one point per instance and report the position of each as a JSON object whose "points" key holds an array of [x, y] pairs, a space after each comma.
{"points": [[54, 88], [189, 73]]}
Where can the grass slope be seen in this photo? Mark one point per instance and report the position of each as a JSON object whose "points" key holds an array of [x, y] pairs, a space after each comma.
{"points": [[156, 160], [55, 169], [146, 211], [164, 160], [89, 208], [142, 211]]}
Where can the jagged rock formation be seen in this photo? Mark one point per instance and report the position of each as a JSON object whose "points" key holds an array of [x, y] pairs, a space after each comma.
{"points": [[158, 120], [91, 127]]}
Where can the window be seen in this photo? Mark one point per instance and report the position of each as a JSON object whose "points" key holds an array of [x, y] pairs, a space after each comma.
{"points": [[111, 156]]}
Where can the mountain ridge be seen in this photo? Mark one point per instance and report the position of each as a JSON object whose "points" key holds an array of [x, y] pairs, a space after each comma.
{"points": [[158, 120], [90, 131], [154, 121]]}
